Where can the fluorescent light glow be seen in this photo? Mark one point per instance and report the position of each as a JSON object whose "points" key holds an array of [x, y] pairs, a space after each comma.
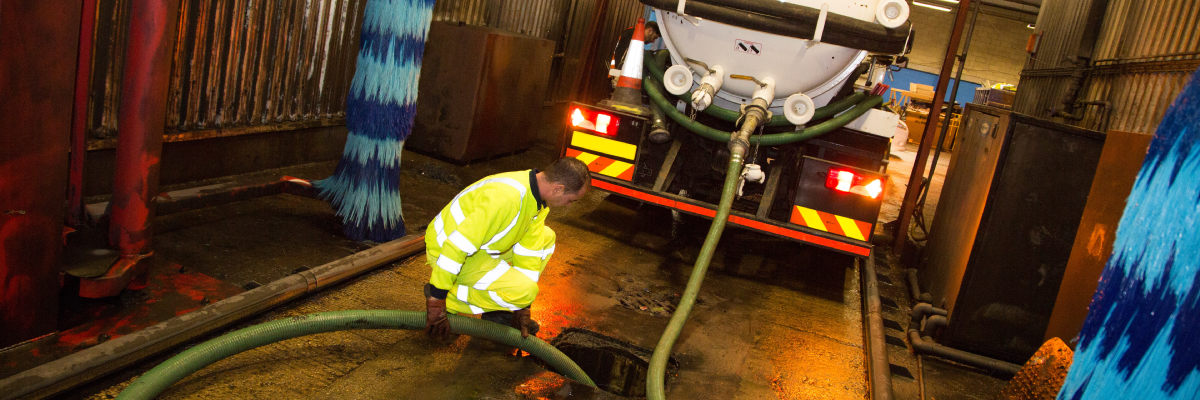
{"points": [[949, 1], [1030, 26], [939, 8]]}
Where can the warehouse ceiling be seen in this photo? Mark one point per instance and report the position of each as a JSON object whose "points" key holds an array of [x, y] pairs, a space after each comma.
{"points": [[1020, 10]]}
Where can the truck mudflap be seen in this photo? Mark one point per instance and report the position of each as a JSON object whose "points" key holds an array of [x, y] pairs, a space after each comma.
{"points": [[806, 234]]}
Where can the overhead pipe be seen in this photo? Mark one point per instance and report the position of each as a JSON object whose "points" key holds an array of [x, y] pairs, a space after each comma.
{"points": [[117, 354], [83, 73], [918, 172], [141, 121]]}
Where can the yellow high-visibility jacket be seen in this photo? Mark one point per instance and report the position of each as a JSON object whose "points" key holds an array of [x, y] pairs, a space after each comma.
{"points": [[489, 245]]}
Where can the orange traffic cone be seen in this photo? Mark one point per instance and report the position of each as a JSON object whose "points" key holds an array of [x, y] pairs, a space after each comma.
{"points": [[629, 85]]}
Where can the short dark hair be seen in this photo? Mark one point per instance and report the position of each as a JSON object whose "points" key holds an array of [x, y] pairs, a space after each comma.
{"points": [[570, 172], [654, 25]]}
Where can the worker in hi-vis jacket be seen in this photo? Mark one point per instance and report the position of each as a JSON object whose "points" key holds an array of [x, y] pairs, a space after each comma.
{"points": [[489, 245]]}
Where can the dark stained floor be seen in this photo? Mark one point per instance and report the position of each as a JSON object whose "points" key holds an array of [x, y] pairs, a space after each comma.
{"points": [[773, 320]]}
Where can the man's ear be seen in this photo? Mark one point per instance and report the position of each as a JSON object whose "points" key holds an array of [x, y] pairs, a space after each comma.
{"points": [[559, 188]]}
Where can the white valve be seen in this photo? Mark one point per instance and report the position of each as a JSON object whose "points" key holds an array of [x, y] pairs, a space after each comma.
{"points": [[891, 13], [752, 173], [710, 84], [799, 108], [677, 79]]}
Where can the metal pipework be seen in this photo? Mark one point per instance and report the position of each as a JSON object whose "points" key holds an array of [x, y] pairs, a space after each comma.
{"points": [[710, 84], [753, 114]]}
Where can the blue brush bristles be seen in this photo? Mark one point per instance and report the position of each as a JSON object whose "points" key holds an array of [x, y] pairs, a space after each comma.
{"points": [[1140, 336], [381, 105]]}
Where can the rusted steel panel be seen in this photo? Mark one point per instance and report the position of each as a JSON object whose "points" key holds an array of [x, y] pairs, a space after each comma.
{"points": [[1120, 160], [35, 38]]}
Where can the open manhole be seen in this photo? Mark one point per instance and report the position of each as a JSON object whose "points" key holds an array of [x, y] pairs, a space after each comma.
{"points": [[616, 366]]}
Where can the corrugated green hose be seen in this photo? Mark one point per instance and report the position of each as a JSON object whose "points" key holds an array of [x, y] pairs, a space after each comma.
{"points": [[658, 99], [658, 362], [164, 375], [655, 65]]}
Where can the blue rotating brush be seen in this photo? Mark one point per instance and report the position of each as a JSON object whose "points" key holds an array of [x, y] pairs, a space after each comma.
{"points": [[381, 105]]}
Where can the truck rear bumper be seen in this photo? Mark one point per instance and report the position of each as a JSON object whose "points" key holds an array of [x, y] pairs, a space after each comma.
{"points": [[695, 207]]}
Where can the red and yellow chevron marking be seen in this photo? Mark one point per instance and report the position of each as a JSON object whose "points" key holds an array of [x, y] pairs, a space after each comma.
{"points": [[835, 224], [604, 165]]}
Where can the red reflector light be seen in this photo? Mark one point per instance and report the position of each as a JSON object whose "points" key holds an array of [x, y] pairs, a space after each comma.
{"points": [[849, 182], [595, 122]]}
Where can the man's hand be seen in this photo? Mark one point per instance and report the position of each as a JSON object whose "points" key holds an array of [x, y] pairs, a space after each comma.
{"points": [[522, 321], [436, 325]]}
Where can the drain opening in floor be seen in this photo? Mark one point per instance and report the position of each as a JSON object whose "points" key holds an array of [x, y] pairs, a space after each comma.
{"points": [[616, 366]]}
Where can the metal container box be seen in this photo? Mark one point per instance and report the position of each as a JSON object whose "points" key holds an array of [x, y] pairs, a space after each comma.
{"points": [[481, 92], [1011, 207]]}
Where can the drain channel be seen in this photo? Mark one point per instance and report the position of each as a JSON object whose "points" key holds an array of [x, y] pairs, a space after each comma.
{"points": [[616, 366]]}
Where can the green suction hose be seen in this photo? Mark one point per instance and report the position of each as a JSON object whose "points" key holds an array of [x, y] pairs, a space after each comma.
{"points": [[658, 362], [658, 99], [655, 65], [164, 375]]}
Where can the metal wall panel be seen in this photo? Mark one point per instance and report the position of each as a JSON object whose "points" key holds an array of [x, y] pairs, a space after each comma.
{"points": [[247, 66], [567, 22], [1141, 59], [239, 67]]}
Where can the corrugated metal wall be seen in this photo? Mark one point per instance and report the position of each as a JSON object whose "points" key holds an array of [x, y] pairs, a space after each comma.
{"points": [[246, 66], [1143, 55]]}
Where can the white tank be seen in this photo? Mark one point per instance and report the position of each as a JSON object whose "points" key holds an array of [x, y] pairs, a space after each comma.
{"points": [[796, 65]]}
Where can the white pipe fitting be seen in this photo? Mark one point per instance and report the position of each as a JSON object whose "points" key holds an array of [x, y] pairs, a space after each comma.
{"points": [[799, 108], [766, 91], [710, 84], [678, 79], [891, 13]]}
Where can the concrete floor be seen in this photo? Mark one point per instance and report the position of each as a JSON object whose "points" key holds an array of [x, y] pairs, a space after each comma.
{"points": [[773, 320]]}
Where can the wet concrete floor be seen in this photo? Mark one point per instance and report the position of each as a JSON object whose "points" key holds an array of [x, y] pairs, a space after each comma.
{"points": [[774, 319]]}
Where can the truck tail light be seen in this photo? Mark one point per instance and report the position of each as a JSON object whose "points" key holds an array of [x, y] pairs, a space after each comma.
{"points": [[847, 181], [596, 122]]}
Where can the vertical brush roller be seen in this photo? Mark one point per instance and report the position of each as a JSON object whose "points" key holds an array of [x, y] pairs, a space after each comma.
{"points": [[381, 105], [1139, 339]]}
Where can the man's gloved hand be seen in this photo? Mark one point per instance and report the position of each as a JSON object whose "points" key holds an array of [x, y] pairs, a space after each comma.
{"points": [[523, 321], [436, 325]]}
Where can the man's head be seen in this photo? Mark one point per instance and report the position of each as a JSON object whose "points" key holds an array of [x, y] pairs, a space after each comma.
{"points": [[563, 182], [651, 33]]}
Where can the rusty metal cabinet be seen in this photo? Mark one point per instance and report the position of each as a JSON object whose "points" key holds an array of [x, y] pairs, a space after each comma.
{"points": [[1004, 228], [481, 92]]}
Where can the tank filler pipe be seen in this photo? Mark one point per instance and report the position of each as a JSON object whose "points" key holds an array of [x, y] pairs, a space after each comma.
{"points": [[658, 99], [655, 67]]}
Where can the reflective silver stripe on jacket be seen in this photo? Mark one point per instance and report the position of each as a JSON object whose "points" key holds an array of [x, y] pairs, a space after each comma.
{"points": [[449, 265], [491, 276], [464, 294], [520, 250]]}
